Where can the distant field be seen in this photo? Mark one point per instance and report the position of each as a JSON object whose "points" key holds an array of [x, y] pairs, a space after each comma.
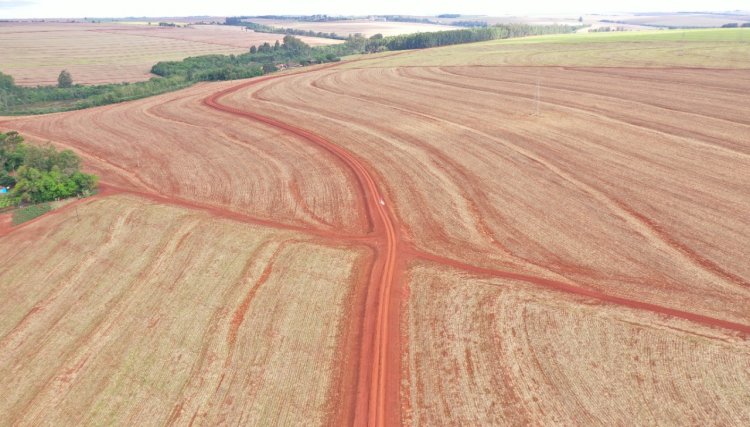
{"points": [[685, 19], [35, 53], [368, 28], [643, 20], [716, 48]]}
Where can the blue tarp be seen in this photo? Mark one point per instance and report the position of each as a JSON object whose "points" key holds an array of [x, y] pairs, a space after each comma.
{"points": [[3, 190]]}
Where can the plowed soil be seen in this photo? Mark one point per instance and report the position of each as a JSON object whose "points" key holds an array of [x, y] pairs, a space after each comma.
{"points": [[431, 245], [134, 312], [618, 184], [502, 352]]}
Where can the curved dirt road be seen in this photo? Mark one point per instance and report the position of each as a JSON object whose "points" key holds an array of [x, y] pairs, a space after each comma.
{"points": [[370, 400]]}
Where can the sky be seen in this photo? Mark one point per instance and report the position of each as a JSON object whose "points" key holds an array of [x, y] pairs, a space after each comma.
{"points": [[14, 9]]}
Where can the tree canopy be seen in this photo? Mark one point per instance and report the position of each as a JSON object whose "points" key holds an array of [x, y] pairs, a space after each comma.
{"points": [[40, 174], [64, 79]]}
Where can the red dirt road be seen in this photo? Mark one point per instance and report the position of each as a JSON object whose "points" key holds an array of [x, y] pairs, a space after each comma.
{"points": [[371, 403]]}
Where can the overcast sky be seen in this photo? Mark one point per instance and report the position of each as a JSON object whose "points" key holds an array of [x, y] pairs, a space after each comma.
{"points": [[123, 8]]}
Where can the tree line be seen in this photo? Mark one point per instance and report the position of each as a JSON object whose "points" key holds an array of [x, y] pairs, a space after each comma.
{"points": [[470, 24], [39, 174], [66, 96], [240, 20], [412, 19], [257, 61], [468, 35], [260, 28]]}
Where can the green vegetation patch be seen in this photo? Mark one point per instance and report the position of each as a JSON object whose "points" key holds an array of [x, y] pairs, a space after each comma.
{"points": [[31, 174], [21, 100], [28, 213]]}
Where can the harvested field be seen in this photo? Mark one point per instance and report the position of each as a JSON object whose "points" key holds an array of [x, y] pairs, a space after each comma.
{"points": [[133, 312], [723, 48], [173, 146], [362, 26], [463, 233], [686, 19], [219, 35], [503, 352], [35, 53], [614, 156]]}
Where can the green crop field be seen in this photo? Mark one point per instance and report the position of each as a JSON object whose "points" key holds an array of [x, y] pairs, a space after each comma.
{"points": [[714, 48]]}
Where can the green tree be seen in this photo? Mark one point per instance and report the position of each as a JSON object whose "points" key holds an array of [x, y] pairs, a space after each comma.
{"points": [[64, 79], [40, 158], [295, 46], [6, 180], [41, 174], [253, 50], [6, 82], [12, 151], [67, 162], [86, 183], [265, 48]]}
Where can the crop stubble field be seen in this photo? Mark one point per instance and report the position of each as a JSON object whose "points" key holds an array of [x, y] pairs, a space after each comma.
{"points": [[35, 53], [169, 315], [724, 48], [494, 265]]}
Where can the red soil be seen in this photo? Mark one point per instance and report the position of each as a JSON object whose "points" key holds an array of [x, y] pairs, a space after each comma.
{"points": [[6, 223]]}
